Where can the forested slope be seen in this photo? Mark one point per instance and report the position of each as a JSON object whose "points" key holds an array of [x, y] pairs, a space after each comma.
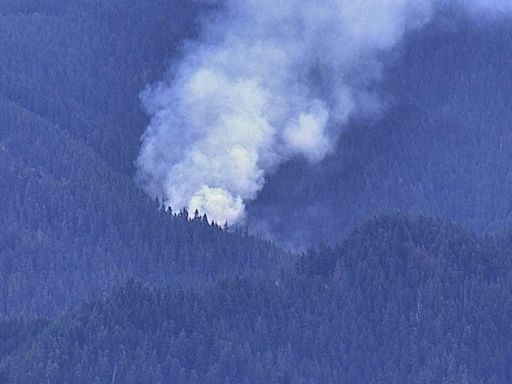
{"points": [[72, 223], [71, 227], [440, 147], [81, 64], [98, 284], [400, 301]]}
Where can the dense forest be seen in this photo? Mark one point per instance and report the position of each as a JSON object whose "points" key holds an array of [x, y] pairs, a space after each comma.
{"points": [[399, 301], [387, 262]]}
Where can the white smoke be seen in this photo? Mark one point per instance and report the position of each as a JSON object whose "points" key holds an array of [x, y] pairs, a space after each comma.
{"points": [[268, 79]]}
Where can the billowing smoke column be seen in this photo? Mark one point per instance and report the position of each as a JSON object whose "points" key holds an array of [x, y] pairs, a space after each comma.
{"points": [[268, 79]]}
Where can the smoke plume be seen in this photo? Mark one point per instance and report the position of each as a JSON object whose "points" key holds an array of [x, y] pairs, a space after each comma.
{"points": [[267, 80]]}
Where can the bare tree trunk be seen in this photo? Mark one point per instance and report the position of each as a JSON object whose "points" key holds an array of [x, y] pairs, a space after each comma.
{"points": [[114, 375]]}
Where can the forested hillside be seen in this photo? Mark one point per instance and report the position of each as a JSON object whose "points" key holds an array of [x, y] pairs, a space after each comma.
{"points": [[81, 64], [400, 301], [73, 222], [71, 227], [100, 284]]}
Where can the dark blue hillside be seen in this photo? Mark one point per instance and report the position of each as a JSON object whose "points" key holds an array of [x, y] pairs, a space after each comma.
{"points": [[400, 301]]}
